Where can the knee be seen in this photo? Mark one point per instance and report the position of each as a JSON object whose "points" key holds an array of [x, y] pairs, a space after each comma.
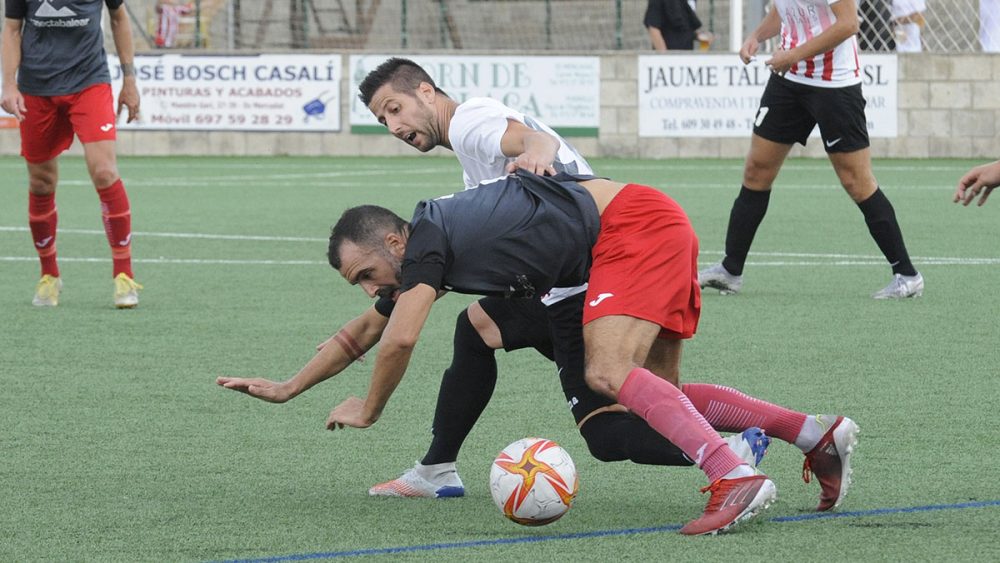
{"points": [[601, 378], [104, 174], [758, 174], [42, 184], [601, 438], [467, 337]]}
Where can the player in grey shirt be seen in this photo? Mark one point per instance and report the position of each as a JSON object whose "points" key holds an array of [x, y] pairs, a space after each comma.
{"points": [[57, 84]]}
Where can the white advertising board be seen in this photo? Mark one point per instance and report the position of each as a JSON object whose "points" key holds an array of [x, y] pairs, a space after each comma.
{"points": [[718, 96], [563, 92]]}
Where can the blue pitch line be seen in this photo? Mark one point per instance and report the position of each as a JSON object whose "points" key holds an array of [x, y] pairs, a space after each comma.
{"points": [[603, 533]]}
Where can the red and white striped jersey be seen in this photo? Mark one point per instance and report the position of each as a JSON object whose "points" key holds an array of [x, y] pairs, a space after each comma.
{"points": [[801, 20]]}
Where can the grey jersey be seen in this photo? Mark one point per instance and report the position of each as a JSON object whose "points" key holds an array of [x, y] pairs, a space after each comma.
{"points": [[62, 45], [516, 237]]}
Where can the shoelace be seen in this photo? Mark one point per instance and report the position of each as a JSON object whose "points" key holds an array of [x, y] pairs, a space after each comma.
{"points": [[722, 485]]}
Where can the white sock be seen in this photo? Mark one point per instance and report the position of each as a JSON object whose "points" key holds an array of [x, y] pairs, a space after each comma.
{"points": [[436, 471], [741, 470], [813, 430]]}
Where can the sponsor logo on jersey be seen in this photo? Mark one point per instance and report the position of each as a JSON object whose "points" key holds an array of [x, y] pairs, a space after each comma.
{"points": [[48, 16]]}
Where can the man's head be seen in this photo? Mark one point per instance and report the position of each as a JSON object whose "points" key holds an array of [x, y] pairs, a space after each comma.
{"points": [[404, 98], [367, 246]]}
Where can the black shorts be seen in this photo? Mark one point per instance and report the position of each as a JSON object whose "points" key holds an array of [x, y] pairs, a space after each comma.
{"points": [[556, 332], [789, 111], [523, 323], [566, 323]]}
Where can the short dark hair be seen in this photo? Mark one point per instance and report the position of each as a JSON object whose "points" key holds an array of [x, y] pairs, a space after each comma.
{"points": [[404, 75], [365, 226]]}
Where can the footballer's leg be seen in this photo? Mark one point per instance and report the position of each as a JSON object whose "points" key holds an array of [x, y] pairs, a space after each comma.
{"points": [[43, 220], [828, 441], [840, 113], [93, 118], [616, 346], [854, 171], [45, 133], [466, 389]]}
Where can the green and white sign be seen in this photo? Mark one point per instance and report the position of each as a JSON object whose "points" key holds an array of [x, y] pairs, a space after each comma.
{"points": [[563, 92]]}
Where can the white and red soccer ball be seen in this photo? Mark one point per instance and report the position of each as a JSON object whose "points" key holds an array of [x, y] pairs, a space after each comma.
{"points": [[533, 481]]}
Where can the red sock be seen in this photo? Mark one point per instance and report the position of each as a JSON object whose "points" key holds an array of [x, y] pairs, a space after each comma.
{"points": [[729, 410], [670, 413], [117, 218], [43, 218]]}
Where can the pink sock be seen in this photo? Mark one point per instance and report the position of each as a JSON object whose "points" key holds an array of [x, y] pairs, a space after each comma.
{"points": [[670, 413], [729, 410]]}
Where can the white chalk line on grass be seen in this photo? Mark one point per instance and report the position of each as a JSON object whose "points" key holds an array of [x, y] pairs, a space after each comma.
{"points": [[180, 235], [182, 261], [817, 259], [317, 180]]}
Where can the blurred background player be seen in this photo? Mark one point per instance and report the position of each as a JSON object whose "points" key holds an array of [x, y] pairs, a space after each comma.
{"points": [[815, 80], [62, 87], [673, 25], [908, 19], [979, 181]]}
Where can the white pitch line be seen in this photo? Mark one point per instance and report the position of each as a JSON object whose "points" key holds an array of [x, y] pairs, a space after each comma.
{"points": [[838, 259], [195, 261], [180, 235], [207, 261]]}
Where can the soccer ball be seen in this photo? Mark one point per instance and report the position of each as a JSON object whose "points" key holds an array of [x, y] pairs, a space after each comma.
{"points": [[533, 481]]}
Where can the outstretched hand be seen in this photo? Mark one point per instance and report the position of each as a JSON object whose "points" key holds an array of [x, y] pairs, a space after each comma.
{"points": [[979, 181], [349, 413], [263, 389]]}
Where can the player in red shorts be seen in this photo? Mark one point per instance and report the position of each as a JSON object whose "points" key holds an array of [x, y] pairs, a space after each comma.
{"points": [[56, 83]]}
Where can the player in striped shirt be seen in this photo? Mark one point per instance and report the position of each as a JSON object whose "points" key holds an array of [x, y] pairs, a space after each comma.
{"points": [[816, 79]]}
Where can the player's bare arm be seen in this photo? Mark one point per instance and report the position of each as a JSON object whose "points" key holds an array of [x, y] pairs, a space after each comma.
{"points": [[350, 342], [121, 32], [768, 28], [10, 58], [398, 341], [980, 180], [846, 25], [535, 151], [656, 37]]}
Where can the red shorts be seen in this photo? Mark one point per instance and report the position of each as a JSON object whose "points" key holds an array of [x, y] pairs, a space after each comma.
{"points": [[646, 263], [51, 121]]}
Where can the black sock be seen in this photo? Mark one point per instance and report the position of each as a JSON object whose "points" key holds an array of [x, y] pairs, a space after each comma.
{"points": [[619, 436], [466, 389], [881, 220], [747, 213]]}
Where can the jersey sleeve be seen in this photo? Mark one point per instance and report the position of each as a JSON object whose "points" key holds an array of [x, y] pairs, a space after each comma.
{"points": [[113, 4], [426, 256], [15, 9]]}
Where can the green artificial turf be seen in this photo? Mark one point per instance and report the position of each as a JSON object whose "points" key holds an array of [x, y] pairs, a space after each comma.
{"points": [[116, 445]]}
